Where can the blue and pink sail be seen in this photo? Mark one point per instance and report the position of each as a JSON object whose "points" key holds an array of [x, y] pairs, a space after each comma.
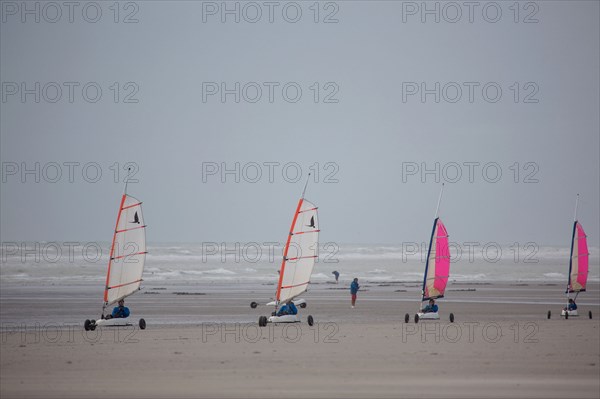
{"points": [[437, 267], [578, 263]]}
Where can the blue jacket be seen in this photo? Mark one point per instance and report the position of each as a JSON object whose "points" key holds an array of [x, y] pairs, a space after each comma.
{"points": [[354, 288], [120, 313], [430, 309], [288, 309], [573, 306]]}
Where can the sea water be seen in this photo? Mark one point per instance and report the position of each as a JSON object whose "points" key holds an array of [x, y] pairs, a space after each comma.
{"points": [[240, 263]]}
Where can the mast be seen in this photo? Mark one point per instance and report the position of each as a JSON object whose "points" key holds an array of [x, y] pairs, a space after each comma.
{"points": [[437, 209], [126, 181], [287, 244], [305, 185], [572, 246]]}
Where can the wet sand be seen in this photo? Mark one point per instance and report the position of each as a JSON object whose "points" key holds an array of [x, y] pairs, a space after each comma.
{"points": [[501, 344]]}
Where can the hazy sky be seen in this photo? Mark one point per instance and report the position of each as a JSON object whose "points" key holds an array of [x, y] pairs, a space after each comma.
{"points": [[367, 112]]}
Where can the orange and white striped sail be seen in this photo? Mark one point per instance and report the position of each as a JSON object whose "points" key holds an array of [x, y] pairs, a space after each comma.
{"points": [[299, 253], [127, 252]]}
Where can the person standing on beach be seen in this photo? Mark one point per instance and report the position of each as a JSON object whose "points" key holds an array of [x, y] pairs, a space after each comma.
{"points": [[336, 274], [354, 287]]}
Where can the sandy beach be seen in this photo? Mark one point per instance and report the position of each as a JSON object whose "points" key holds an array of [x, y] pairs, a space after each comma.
{"points": [[194, 157], [204, 341]]}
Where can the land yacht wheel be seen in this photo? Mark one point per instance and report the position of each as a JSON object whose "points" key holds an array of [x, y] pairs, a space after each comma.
{"points": [[262, 321]]}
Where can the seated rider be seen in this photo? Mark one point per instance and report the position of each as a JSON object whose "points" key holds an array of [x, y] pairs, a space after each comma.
{"points": [[431, 308], [572, 305], [119, 312], [288, 308]]}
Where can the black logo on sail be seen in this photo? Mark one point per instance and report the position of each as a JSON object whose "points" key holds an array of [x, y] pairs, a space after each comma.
{"points": [[312, 222], [136, 219]]}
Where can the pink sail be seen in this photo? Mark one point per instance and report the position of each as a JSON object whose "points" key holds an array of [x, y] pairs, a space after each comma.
{"points": [[438, 263], [578, 272]]}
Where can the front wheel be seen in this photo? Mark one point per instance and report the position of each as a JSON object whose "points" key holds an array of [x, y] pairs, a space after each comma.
{"points": [[92, 325], [416, 318], [310, 320], [303, 305], [549, 314], [451, 317], [87, 324], [406, 318], [262, 321], [142, 324], [253, 305], [566, 315], [590, 314]]}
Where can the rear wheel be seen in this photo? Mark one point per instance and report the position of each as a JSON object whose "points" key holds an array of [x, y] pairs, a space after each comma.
{"points": [[253, 305], [303, 305], [590, 314], [142, 324], [86, 325], [451, 317], [310, 320], [549, 314], [566, 315], [416, 318], [262, 321], [406, 318]]}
